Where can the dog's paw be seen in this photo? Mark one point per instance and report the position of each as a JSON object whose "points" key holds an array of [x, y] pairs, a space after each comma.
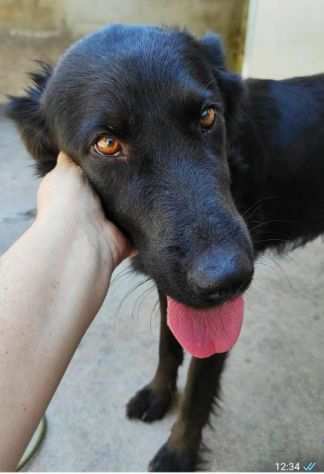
{"points": [[149, 404], [173, 460]]}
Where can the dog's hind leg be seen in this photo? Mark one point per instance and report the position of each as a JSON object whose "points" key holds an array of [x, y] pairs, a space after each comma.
{"points": [[153, 401], [181, 451]]}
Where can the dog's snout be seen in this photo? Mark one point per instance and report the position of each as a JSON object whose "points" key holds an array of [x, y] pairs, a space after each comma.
{"points": [[221, 273]]}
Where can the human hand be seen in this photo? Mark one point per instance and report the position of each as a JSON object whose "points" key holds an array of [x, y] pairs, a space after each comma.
{"points": [[65, 194]]}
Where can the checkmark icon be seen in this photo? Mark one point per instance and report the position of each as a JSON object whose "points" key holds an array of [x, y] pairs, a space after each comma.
{"points": [[310, 466]]}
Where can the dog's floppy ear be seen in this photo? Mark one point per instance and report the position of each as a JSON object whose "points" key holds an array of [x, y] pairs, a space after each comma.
{"points": [[214, 48], [26, 112], [231, 85]]}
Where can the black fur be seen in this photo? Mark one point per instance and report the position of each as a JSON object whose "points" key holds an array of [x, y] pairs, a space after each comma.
{"points": [[184, 195]]}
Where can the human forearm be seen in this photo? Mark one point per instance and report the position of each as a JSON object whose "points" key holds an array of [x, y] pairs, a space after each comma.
{"points": [[45, 311], [52, 282]]}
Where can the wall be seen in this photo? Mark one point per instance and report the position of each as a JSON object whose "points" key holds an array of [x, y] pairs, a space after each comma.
{"points": [[42, 29], [197, 15], [47, 18], [40, 17], [284, 38]]}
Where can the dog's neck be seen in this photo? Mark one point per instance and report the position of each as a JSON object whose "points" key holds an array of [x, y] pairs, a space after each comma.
{"points": [[279, 156]]}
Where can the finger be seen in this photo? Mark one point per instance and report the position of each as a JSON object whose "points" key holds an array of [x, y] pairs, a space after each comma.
{"points": [[64, 160]]}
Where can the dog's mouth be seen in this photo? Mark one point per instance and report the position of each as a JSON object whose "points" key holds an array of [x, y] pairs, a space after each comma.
{"points": [[208, 324], [205, 332]]}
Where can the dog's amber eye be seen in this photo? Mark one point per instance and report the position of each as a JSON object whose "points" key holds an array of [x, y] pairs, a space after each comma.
{"points": [[208, 117], [107, 146]]}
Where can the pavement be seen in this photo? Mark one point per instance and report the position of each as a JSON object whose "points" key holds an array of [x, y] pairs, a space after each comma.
{"points": [[273, 388]]}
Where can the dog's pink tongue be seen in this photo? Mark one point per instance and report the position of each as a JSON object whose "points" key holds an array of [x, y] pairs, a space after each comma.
{"points": [[207, 331]]}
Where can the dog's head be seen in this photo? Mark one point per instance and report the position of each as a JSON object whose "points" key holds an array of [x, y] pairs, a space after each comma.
{"points": [[148, 114]]}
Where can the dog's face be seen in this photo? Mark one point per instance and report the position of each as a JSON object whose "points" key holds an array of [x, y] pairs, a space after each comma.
{"points": [[146, 113]]}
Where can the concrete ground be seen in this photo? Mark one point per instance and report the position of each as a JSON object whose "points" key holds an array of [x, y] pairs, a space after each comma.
{"points": [[273, 408]]}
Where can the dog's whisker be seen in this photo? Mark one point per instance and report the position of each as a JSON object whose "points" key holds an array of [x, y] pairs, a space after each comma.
{"points": [[255, 206], [121, 275], [129, 294], [137, 287], [141, 298]]}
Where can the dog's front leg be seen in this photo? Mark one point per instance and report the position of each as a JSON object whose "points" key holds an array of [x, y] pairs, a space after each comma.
{"points": [[181, 451], [153, 401]]}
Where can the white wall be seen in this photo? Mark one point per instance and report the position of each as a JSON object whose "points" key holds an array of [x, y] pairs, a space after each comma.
{"points": [[284, 38]]}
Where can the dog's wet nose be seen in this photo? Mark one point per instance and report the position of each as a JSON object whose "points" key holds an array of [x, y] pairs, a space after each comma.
{"points": [[221, 273]]}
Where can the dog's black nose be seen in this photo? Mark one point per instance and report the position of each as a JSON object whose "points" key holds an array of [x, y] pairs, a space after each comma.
{"points": [[221, 273]]}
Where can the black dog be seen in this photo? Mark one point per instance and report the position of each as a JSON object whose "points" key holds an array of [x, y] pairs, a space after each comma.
{"points": [[202, 170]]}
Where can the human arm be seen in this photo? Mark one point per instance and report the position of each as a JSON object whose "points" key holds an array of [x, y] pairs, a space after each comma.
{"points": [[53, 281]]}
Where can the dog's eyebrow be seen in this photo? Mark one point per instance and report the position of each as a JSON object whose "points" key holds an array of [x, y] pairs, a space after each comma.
{"points": [[103, 123], [195, 94], [194, 100]]}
